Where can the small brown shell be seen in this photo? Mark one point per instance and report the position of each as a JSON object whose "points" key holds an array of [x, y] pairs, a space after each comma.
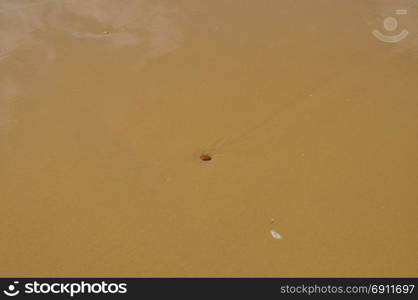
{"points": [[205, 157]]}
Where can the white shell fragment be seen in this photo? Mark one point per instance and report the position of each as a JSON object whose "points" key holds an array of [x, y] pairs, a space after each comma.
{"points": [[276, 235]]}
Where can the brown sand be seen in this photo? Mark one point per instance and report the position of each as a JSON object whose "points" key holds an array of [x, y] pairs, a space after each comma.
{"points": [[310, 121]]}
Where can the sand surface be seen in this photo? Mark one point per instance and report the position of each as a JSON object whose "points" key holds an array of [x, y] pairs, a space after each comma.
{"points": [[310, 120]]}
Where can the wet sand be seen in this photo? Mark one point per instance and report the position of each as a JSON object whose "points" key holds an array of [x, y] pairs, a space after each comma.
{"points": [[310, 121]]}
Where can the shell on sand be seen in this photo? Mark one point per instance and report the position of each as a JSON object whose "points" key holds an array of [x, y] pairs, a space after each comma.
{"points": [[276, 235]]}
